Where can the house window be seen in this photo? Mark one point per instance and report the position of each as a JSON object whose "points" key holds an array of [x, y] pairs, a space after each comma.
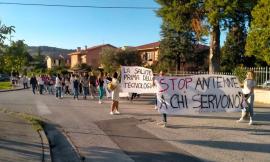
{"points": [[57, 62], [149, 56], [83, 59], [145, 56]]}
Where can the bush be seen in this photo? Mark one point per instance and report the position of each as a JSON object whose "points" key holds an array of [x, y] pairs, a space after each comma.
{"points": [[240, 72]]}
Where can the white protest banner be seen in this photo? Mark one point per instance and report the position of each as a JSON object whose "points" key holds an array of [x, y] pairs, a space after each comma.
{"points": [[137, 79], [198, 93]]}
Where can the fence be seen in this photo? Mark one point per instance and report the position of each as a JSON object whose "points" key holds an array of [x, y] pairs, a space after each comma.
{"points": [[262, 74]]}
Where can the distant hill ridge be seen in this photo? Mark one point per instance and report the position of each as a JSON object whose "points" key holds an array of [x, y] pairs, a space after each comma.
{"points": [[48, 51]]}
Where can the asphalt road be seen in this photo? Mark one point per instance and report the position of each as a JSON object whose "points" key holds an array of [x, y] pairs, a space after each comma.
{"points": [[88, 133]]}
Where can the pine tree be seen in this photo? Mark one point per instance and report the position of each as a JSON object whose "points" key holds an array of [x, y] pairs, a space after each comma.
{"points": [[237, 23], [175, 47], [258, 40]]}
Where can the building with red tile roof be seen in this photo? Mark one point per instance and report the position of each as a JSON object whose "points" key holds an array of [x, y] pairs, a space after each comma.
{"points": [[150, 53], [89, 56]]}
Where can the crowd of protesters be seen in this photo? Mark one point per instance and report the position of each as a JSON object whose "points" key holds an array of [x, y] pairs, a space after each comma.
{"points": [[84, 84], [97, 86]]}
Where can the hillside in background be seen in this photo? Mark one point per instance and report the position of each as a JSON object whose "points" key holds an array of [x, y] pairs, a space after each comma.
{"points": [[48, 51]]}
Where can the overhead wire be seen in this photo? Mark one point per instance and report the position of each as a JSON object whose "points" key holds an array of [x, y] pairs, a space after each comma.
{"points": [[77, 6]]}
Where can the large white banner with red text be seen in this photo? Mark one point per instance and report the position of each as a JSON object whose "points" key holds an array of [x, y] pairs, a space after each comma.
{"points": [[198, 93]]}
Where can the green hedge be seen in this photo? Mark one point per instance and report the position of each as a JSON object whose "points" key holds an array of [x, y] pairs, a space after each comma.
{"points": [[5, 85]]}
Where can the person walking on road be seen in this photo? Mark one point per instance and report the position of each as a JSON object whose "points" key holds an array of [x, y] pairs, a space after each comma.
{"points": [[72, 77], [67, 86], [33, 83], [25, 82], [115, 94], [92, 85], [58, 86], [249, 85], [41, 84], [85, 85], [76, 88], [100, 83], [50, 85]]}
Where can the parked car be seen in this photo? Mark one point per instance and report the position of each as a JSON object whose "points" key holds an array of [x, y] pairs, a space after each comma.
{"points": [[266, 84], [4, 77]]}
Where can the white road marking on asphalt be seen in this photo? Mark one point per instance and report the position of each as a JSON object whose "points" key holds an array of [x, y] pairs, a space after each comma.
{"points": [[42, 108]]}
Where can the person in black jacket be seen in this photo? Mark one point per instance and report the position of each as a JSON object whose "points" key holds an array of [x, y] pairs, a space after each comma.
{"points": [[92, 83], [76, 88], [33, 83]]}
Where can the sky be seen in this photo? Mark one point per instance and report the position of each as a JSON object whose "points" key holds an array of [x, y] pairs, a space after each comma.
{"points": [[78, 27]]}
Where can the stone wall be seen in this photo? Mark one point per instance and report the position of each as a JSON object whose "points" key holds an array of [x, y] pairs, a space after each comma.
{"points": [[262, 96]]}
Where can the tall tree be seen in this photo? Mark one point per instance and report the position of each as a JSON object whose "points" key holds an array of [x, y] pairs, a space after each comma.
{"points": [[258, 40], [232, 54], [207, 14], [4, 31], [215, 12], [176, 46], [16, 56]]}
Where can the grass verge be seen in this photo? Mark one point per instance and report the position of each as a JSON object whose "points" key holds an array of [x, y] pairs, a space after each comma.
{"points": [[5, 85], [36, 122]]}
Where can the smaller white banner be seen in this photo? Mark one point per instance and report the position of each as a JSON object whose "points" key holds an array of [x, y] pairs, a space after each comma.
{"points": [[135, 79]]}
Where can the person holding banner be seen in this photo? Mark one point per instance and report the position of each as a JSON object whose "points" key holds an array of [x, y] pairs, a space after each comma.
{"points": [[164, 116], [115, 94], [249, 84]]}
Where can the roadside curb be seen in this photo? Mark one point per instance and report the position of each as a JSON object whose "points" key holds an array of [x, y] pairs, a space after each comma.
{"points": [[79, 155], [45, 147], [62, 148]]}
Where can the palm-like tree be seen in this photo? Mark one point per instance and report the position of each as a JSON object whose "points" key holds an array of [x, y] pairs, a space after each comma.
{"points": [[4, 31]]}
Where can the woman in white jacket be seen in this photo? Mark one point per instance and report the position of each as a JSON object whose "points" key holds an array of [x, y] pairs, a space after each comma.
{"points": [[249, 85], [115, 95]]}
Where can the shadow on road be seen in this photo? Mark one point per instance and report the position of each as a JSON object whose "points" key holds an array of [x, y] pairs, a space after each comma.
{"points": [[251, 130], [240, 146], [18, 147], [103, 154], [140, 145]]}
